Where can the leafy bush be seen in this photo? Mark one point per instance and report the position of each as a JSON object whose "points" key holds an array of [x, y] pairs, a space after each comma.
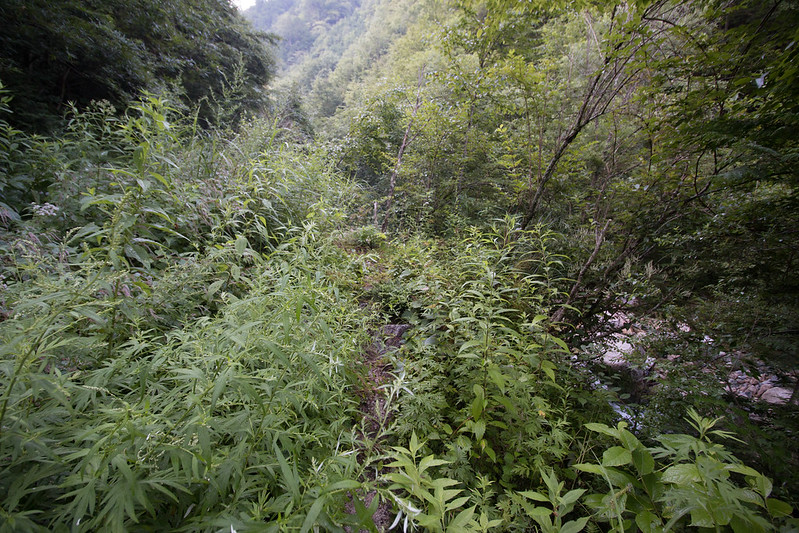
{"points": [[694, 485], [367, 237]]}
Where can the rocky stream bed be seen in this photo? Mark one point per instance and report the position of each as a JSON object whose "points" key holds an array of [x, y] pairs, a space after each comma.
{"points": [[625, 350]]}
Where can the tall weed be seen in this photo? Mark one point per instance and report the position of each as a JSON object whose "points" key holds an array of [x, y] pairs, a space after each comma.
{"points": [[181, 358]]}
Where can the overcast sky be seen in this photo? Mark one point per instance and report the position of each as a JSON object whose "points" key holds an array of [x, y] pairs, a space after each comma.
{"points": [[243, 4]]}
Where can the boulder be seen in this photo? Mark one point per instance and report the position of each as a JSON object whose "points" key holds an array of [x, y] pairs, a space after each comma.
{"points": [[777, 395]]}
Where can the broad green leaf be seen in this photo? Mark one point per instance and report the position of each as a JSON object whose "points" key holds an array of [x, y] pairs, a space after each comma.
{"points": [[213, 287], [161, 179], [750, 496], [629, 440], [414, 444], [571, 496], [617, 477], [602, 428], [490, 453], [479, 429], [721, 514], [560, 343], [701, 518], [764, 485], [643, 461], [478, 391], [444, 482], [470, 344], [539, 511], [574, 526], [590, 468], [616, 456], [536, 496], [89, 313], [313, 513], [741, 524], [430, 461], [486, 524], [497, 378], [457, 503], [552, 484], [594, 501], [477, 408], [549, 369], [653, 485], [428, 522], [681, 474], [241, 244], [743, 469], [462, 520], [648, 522], [778, 508]]}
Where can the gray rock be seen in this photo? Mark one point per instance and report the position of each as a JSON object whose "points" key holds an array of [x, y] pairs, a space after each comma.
{"points": [[777, 395], [614, 358], [762, 389]]}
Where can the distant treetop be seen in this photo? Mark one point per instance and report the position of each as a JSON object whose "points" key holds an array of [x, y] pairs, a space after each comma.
{"points": [[57, 51]]}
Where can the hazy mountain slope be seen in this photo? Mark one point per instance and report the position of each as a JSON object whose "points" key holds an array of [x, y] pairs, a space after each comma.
{"points": [[328, 49]]}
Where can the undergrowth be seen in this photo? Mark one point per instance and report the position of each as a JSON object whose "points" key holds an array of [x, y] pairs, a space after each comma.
{"points": [[174, 354], [184, 316]]}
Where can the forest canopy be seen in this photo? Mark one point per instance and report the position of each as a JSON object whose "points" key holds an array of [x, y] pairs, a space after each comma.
{"points": [[53, 53]]}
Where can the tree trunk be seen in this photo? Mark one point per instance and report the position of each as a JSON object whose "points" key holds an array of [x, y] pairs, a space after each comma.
{"points": [[600, 238], [405, 142]]}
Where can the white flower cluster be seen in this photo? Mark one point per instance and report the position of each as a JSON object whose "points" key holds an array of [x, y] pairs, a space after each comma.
{"points": [[45, 210]]}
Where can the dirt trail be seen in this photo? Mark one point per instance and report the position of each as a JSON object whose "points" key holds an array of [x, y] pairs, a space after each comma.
{"points": [[385, 339], [375, 375]]}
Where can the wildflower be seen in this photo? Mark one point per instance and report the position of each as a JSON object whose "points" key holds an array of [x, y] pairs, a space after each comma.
{"points": [[45, 210]]}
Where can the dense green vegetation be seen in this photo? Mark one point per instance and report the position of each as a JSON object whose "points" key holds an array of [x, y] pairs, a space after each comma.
{"points": [[379, 298], [56, 52]]}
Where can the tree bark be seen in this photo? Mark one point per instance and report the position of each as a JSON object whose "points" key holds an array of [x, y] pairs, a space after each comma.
{"points": [[600, 238], [605, 86], [406, 139]]}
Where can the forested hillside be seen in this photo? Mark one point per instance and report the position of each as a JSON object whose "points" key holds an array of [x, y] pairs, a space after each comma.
{"points": [[372, 265], [57, 52]]}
